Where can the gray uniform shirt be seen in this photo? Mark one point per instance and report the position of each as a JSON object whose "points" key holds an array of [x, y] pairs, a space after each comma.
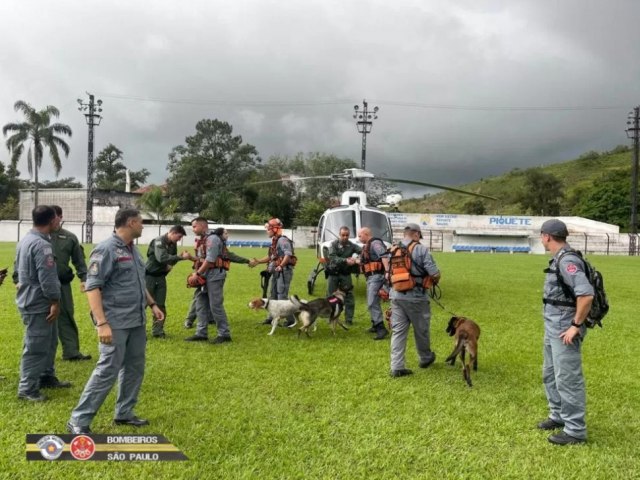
{"points": [[117, 269], [284, 247], [215, 248], [36, 272], [422, 263], [557, 319]]}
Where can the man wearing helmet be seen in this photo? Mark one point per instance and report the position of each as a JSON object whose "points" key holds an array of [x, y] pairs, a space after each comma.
{"points": [[280, 263]]}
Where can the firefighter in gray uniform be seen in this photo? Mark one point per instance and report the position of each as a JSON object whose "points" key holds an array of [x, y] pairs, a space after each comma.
{"points": [[342, 263], [412, 307], [162, 255], [564, 331], [67, 248], [118, 299], [280, 263], [38, 300], [213, 268], [374, 262]]}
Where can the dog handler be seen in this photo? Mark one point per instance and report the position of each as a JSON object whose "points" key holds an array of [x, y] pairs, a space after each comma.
{"points": [[564, 331], [280, 263], [412, 307]]}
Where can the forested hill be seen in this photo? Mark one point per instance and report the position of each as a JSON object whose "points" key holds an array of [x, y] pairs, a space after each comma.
{"points": [[596, 185]]}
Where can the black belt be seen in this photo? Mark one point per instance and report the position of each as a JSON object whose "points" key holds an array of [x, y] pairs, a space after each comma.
{"points": [[368, 274], [558, 303], [157, 274]]}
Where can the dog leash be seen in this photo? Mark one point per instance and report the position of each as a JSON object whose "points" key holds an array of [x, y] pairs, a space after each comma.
{"points": [[435, 293]]}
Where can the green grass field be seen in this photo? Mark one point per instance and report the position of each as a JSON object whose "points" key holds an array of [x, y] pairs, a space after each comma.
{"points": [[325, 407]]}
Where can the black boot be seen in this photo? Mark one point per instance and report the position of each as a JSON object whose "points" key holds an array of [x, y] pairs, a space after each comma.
{"points": [[381, 332]]}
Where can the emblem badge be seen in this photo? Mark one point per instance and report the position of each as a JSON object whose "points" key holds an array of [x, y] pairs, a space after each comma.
{"points": [[51, 447], [82, 447]]}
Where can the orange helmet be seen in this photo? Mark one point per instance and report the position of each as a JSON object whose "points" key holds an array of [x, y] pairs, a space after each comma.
{"points": [[274, 224]]}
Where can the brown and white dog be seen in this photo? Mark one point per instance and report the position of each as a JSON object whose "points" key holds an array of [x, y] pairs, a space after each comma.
{"points": [[466, 333], [278, 309], [330, 307]]}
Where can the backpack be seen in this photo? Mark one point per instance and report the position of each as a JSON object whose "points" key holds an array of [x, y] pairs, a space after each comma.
{"points": [[600, 304], [400, 270]]}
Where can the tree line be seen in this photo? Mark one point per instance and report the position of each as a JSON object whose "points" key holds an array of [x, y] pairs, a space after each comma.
{"points": [[217, 174]]}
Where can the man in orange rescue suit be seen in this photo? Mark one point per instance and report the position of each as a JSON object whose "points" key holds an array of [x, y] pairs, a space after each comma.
{"points": [[280, 263], [374, 262], [213, 263]]}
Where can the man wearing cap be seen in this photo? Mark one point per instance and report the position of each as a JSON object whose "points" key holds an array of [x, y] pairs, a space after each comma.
{"points": [[280, 262], [374, 262], [564, 331], [412, 307]]}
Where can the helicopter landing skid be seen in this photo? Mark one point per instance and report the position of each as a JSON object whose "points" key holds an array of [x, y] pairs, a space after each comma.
{"points": [[311, 281]]}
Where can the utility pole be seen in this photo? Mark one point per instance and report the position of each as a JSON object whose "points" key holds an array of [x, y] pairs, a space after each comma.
{"points": [[93, 117], [633, 132], [364, 122]]}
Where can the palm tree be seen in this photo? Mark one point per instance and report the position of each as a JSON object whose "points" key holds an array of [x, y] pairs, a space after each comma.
{"points": [[38, 130]]}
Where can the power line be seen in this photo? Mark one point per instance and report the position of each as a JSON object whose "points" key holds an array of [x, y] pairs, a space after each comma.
{"points": [[392, 103]]}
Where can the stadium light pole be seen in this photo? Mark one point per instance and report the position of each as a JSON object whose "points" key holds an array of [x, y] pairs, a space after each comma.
{"points": [[633, 132], [364, 122], [93, 118]]}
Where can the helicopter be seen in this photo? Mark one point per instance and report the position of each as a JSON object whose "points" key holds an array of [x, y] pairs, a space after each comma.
{"points": [[355, 213]]}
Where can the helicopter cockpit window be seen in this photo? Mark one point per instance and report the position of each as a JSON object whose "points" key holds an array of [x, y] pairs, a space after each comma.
{"points": [[335, 220], [379, 225]]}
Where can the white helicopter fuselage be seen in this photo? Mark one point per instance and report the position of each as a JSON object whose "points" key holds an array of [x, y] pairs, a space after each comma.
{"points": [[355, 214]]}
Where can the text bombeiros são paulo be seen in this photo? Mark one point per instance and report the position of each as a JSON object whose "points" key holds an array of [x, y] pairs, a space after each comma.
{"points": [[131, 439]]}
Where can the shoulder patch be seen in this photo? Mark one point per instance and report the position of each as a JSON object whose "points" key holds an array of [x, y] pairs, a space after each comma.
{"points": [[47, 250], [571, 268], [94, 268]]}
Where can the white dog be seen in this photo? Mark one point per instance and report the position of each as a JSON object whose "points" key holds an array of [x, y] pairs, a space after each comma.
{"points": [[278, 309]]}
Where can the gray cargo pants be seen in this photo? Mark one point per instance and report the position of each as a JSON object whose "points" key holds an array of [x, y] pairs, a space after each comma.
{"points": [[417, 312], [210, 305], [122, 360], [38, 352], [564, 384]]}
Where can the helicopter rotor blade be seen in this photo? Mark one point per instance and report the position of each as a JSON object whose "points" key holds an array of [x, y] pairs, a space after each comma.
{"points": [[283, 180], [434, 185]]}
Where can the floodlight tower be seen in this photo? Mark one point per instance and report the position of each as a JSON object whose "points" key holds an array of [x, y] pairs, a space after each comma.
{"points": [[364, 122], [93, 117], [633, 132]]}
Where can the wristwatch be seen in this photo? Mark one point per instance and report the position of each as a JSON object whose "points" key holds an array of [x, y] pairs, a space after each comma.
{"points": [[577, 325]]}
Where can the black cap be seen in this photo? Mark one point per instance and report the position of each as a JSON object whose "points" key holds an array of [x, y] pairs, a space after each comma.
{"points": [[555, 227]]}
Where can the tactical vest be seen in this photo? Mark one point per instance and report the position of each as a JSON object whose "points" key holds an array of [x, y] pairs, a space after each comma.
{"points": [[367, 266], [273, 252]]}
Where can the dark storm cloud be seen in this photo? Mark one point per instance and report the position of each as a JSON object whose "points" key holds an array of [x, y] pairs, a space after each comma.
{"points": [[194, 55]]}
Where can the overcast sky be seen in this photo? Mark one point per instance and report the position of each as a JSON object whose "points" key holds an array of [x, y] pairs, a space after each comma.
{"points": [[466, 89]]}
